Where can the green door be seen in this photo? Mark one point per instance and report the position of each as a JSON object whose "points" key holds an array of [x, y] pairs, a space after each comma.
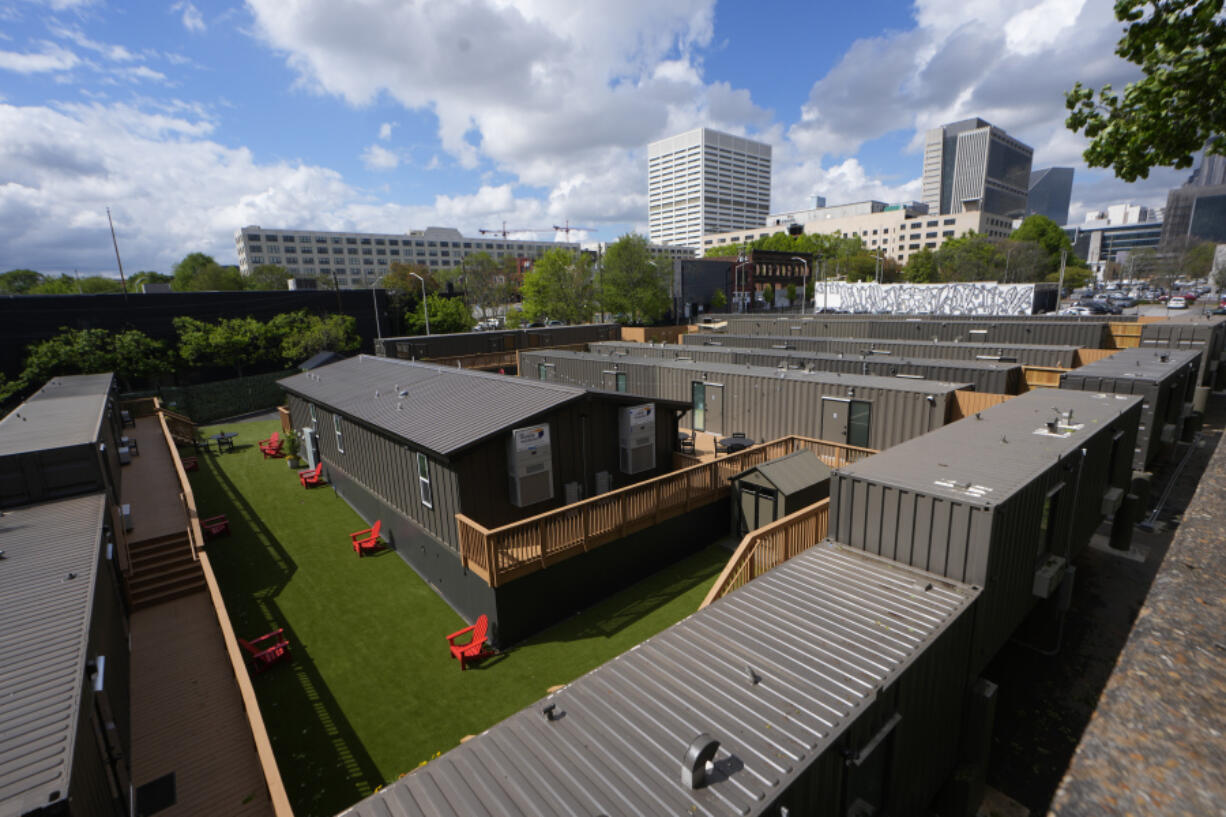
{"points": [[859, 421], [698, 395]]}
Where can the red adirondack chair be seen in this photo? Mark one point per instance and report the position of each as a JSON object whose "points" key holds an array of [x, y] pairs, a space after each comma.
{"points": [[272, 446], [264, 656], [475, 648], [367, 541], [311, 476], [215, 526]]}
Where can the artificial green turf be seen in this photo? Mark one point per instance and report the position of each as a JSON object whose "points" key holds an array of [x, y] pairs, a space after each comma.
{"points": [[372, 691]]}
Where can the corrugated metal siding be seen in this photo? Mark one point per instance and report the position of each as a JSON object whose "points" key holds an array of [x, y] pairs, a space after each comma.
{"points": [[1207, 335], [986, 376], [45, 617], [1092, 335], [829, 673], [758, 401], [1064, 357], [423, 347], [1162, 383], [966, 501]]}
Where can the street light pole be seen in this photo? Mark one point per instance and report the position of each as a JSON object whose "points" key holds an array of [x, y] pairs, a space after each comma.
{"points": [[424, 305], [804, 281], [736, 283]]}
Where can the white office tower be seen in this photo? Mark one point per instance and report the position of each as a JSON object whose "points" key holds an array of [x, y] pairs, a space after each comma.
{"points": [[975, 166], [703, 182]]}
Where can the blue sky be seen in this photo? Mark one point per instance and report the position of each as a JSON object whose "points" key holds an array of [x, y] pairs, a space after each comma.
{"points": [[191, 119]]}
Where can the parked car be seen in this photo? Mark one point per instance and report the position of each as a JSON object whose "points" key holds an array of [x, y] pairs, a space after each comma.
{"points": [[1081, 311], [1176, 302]]}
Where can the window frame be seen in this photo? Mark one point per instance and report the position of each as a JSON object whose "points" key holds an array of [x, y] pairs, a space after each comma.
{"points": [[336, 426], [425, 491]]}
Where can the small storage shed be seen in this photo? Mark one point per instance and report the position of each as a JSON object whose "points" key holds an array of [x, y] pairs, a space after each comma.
{"points": [[62, 441], [794, 688], [764, 403], [768, 492], [985, 375], [1064, 357], [1166, 378], [64, 659], [1002, 500]]}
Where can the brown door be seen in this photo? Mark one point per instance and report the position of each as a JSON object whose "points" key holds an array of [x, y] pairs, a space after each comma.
{"points": [[834, 419]]}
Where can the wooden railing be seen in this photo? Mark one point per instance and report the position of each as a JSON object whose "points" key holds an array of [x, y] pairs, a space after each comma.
{"points": [[501, 554], [263, 746], [966, 403], [141, 406], [770, 546], [1042, 377]]}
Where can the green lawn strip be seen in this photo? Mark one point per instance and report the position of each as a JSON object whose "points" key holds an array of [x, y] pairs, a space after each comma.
{"points": [[372, 691]]}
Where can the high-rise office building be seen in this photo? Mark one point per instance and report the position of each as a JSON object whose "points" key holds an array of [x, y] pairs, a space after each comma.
{"points": [[973, 165], [1195, 213], [1211, 171], [1051, 191], [703, 181]]}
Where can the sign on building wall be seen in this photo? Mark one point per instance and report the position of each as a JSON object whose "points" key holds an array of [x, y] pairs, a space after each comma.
{"points": [[982, 298]]}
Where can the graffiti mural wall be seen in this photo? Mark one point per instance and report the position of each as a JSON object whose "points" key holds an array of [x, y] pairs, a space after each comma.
{"points": [[931, 299]]}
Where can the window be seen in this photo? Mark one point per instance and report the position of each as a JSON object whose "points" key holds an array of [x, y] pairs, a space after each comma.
{"points": [[270, 238], [393, 242], [351, 241], [288, 239], [379, 242], [542, 373], [423, 480], [698, 395], [621, 381], [365, 240], [859, 420], [336, 426], [314, 419]]}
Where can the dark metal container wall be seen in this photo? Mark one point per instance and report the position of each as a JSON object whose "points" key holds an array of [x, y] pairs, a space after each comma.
{"points": [[1205, 334], [761, 402], [1063, 357], [814, 705], [1090, 335], [425, 347], [1166, 379], [985, 375], [989, 499], [62, 441]]}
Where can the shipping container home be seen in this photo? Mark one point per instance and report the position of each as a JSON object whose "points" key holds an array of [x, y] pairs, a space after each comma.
{"points": [[1003, 500], [62, 441], [64, 658], [414, 444], [1053, 332], [768, 492], [792, 688], [764, 403], [985, 375], [1165, 378], [1204, 333], [1064, 357], [463, 344]]}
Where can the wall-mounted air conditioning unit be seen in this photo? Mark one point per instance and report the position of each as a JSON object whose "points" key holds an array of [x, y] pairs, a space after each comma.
{"points": [[637, 436], [310, 446], [530, 465]]}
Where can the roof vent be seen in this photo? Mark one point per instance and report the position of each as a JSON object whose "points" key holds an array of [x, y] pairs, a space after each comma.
{"points": [[698, 754]]}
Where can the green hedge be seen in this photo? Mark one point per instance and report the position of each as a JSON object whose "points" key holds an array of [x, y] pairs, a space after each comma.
{"points": [[207, 402]]}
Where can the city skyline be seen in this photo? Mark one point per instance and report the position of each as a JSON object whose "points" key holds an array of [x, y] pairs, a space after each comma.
{"points": [[193, 120]]}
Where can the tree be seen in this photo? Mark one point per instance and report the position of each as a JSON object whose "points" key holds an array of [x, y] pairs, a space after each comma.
{"points": [[198, 272], [719, 300], [143, 277], [768, 296], [130, 354], [19, 281], [1196, 260], [300, 335], [267, 276], [1051, 237], [560, 287], [921, 268], [1074, 277], [972, 257], [790, 292], [60, 285], [136, 356], [236, 342], [632, 283], [1028, 261], [487, 283], [1180, 102], [399, 278], [95, 284], [447, 315]]}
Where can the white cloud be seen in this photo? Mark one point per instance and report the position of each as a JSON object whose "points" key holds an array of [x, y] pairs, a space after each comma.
{"points": [[385, 130], [115, 53], [190, 16], [376, 157], [52, 58]]}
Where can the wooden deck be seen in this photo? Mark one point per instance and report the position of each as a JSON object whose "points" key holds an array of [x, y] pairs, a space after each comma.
{"points": [[151, 486], [188, 716]]}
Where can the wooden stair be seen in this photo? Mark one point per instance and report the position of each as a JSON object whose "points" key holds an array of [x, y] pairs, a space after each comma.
{"points": [[162, 569]]}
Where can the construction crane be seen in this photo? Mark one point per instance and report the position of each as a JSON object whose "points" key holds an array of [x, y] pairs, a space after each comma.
{"points": [[568, 228], [506, 230]]}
